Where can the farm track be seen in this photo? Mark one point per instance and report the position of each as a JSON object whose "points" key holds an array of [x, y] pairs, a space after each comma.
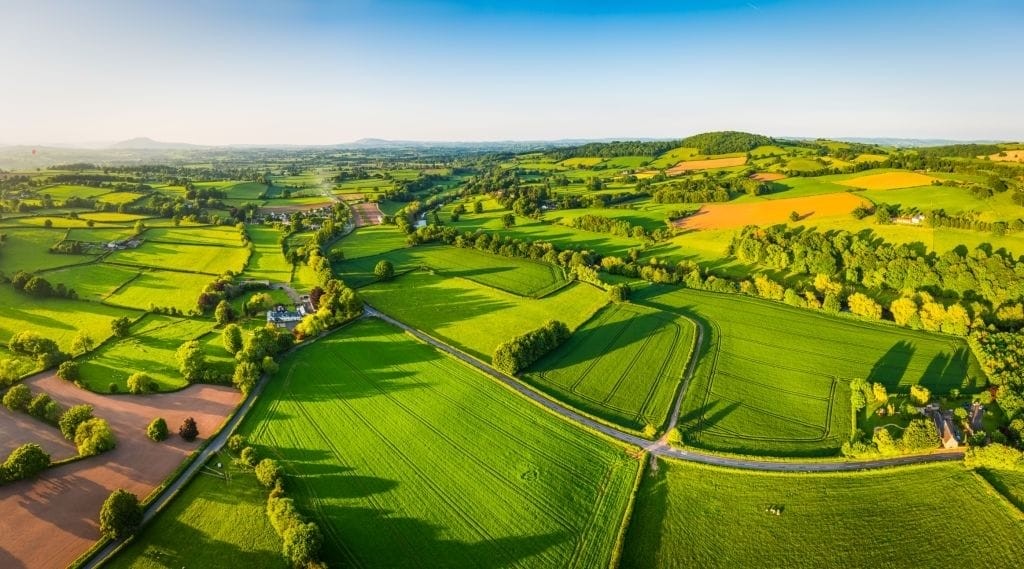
{"points": [[660, 447]]}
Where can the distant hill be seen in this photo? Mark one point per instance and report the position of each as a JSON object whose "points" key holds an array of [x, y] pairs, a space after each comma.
{"points": [[143, 143]]}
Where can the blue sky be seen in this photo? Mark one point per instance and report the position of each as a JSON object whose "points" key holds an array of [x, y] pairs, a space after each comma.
{"points": [[324, 72]]}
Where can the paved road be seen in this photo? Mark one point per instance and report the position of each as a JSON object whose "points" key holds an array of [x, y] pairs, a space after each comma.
{"points": [[661, 448]]}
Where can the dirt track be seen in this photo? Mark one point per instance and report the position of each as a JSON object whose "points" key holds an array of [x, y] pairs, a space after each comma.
{"points": [[50, 521]]}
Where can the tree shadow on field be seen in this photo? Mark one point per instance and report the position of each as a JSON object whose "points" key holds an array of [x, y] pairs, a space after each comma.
{"points": [[181, 545], [946, 371], [643, 537], [892, 366], [706, 416], [380, 538], [612, 338], [46, 502], [10, 562]]}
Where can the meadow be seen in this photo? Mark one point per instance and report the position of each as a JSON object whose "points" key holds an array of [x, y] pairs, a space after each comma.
{"points": [[689, 515], [164, 289], [473, 317], [624, 365], [218, 520], [369, 241], [56, 318], [93, 281], [267, 262], [62, 192], [462, 470], [213, 235], [774, 380], [208, 259], [524, 277], [29, 250]]}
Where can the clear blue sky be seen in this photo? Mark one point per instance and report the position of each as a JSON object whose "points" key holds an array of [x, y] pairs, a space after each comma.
{"points": [[324, 72]]}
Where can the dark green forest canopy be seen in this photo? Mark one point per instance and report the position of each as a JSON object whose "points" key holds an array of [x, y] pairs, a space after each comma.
{"points": [[725, 142]]}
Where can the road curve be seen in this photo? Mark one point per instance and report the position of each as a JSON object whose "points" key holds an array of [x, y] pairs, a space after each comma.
{"points": [[660, 447]]}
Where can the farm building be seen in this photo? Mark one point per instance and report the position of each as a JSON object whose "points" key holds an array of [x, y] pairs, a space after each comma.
{"points": [[916, 219], [284, 318]]}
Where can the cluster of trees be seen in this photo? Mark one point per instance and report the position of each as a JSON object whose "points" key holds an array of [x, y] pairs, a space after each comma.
{"points": [[601, 224], [1000, 355], [39, 287], [725, 142], [26, 461], [706, 189], [256, 355], [120, 515], [44, 351], [40, 406], [336, 304], [516, 354], [985, 283], [614, 149], [90, 434]]}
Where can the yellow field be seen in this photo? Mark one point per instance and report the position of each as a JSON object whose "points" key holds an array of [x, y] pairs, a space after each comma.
{"points": [[691, 165], [1011, 156], [889, 181], [769, 212], [584, 161]]}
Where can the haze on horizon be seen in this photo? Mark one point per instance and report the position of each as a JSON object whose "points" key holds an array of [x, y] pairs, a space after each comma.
{"points": [[309, 72]]}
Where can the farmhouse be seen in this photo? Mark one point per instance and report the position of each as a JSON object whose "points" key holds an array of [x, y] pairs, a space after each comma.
{"points": [[950, 437], [284, 318], [915, 219]]}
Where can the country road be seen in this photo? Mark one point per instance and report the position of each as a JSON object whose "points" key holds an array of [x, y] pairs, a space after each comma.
{"points": [[661, 447]]}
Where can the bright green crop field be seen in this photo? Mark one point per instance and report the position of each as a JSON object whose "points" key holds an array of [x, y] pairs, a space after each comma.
{"points": [[164, 289], [215, 235], [56, 318], [218, 520], [370, 240], [93, 281], [524, 277], [29, 250], [267, 262], [64, 191], [774, 380], [689, 515], [624, 365], [473, 317], [198, 258], [410, 458]]}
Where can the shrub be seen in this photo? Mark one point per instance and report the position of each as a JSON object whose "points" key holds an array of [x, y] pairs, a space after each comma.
{"points": [[268, 472], [44, 407], [236, 443], [139, 382], [120, 515], [248, 456], [384, 270], [25, 461], [301, 544], [69, 371], [224, 313], [518, 353], [920, 394], [188, 429], [121, 327], [93, 437], [994, 455], [920, 434], [649, 431], [157, 430], [113, 388], [18, 397], [73, 417], [232, 338], [618, 293], [246, 375]]}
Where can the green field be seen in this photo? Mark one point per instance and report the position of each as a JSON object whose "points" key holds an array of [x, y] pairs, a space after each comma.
{"points": [[774, 380], [119, 198], [461, 470], [94, 281], [474, 317], [29, 250], [215, 235], [267, 262], [56, 318], [688, 515], [370, 240], [149, 349], [62, 192], [207, 259], [218, 520], [623, 365], [523, 277], [164, 289]]}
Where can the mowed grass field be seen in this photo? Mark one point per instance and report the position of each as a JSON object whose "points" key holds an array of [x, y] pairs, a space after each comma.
{"points": [[409, 458], [774, 380], [29, 250], [473, 317], [370, 240], [56, 318], [93, 281], [688, 515], [211, 260], [624, 365], [267, 261], [165, 289], [218, 520], [151, 349], [524, 277]]}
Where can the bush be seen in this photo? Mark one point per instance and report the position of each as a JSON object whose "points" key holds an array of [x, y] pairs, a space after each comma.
{"points": [[518, 353], [73, 417], [920, 394], [69, 371], [384, 270], [121, 327], [18, 397], [248, 456], [44, 407], [121, 515], [139, 382], [93, 437], [113, 388], [232, 338], [188, 429], [994, 456], [268, 472], [618, 293], [25, 461], [236, 443], [157, 430], [301, 544]]}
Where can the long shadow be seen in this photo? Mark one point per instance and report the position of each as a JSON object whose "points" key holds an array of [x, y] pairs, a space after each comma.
{"points": [[892, 366], [947, 371]]}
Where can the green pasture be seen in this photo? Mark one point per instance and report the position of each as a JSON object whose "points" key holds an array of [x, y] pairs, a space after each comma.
{"points": [[59, 319], [524, 277], [111, 217], [120, 198], [208, 259], [688, 515], [62, 192], [99, 234], [267, 261], [218, 520], [29, 250], [406, 457], [370, 240], [93, 281], [218, 235], [474, 317], [164, 289], [774, 380], [624, 365], [673, 157]]}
